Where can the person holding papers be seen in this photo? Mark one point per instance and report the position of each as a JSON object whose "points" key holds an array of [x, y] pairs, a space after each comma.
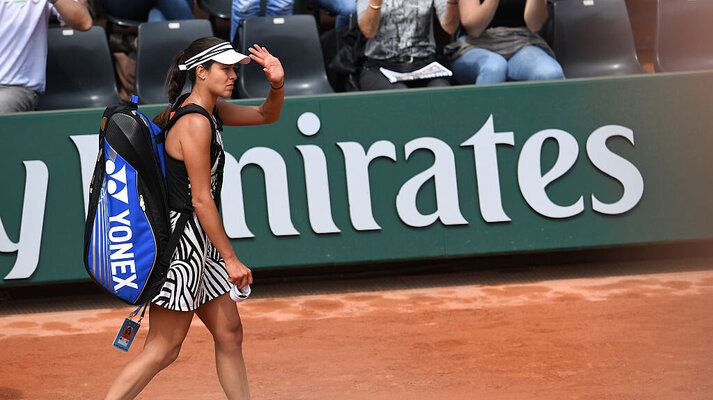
{"points": [[400, 39]]}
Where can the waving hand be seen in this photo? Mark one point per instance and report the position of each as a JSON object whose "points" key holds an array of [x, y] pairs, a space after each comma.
{"points": [[271, 65]]}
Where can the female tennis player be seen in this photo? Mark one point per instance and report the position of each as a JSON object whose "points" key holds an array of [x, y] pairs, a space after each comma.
{"points": [[204, 265]]}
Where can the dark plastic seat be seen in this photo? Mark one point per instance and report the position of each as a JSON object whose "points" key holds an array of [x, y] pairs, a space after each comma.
{"points": [[684, 35], [80, 71], [219, 12], [123, 22], [112, 20], [216, 8], [295, 41], [594, 38], [159, 42]]}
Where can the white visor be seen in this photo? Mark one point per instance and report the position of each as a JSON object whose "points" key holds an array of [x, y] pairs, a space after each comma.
{"points": [[222, 53]]}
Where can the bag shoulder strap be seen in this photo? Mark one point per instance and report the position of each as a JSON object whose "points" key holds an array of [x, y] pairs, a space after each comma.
{"points": [[173, 239], [187, 109]]}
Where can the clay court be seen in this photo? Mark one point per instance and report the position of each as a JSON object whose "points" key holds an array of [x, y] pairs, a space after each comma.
{"points": [[615, 330]]}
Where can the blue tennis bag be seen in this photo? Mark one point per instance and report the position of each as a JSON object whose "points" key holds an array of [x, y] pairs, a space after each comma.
{"points": [[127, 236]]}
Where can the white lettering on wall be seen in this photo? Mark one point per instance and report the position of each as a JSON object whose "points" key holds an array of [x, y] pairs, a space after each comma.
{"points": [[356, 164], [533, 183], [617, 167], [443, 172], [276, 192], [87, 146], [317, 185], [484, 144], [33, 214]]}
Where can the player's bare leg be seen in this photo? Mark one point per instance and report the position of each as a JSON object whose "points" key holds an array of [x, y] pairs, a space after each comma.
{"points": [[222, 319], [167, 329]]}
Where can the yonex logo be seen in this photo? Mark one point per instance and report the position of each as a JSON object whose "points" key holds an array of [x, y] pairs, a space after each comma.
{"points": [[112, 185], [121, 246], [123, 267]]}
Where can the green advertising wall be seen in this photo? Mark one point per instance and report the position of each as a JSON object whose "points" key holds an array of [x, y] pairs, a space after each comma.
{"points": [[588, 163]]}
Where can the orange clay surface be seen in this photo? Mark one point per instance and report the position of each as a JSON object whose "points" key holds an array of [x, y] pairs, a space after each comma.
{"points": [[632, 336]]}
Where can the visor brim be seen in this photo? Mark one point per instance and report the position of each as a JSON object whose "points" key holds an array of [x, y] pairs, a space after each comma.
{"points": [[231, 57]]}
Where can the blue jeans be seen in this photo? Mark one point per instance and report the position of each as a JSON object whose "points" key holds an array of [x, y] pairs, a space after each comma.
{"points": [[244, 9], [482, 66], [151, 10], [171, 10], [343, 8]]}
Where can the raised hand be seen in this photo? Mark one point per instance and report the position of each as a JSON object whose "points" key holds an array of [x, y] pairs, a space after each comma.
{"points": [[271, 65]]}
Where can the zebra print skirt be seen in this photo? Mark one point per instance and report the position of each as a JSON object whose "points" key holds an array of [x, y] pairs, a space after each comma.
{"points": [[197, 273]]}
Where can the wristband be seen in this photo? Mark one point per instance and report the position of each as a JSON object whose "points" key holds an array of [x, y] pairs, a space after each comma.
{"points": [[370, 6], [277, 88], [239, 295]]}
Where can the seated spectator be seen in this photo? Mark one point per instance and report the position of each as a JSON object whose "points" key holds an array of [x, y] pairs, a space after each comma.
{"points": [[343, 8], [400, 38], [243, 9], [23, 47], [149, 10], [502, 43]]}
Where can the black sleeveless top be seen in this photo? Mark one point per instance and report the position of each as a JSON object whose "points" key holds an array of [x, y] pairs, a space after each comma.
{"points": [[510, 13], [178, 184]]}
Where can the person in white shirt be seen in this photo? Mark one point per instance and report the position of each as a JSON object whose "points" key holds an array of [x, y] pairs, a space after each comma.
{"points": [[23, 46]]}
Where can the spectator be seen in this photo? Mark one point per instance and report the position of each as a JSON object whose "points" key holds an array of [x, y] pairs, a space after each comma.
{"points": [[151, 10], [343, 8], [502, 43], [243, 9], [23, 47], [400, 38]]}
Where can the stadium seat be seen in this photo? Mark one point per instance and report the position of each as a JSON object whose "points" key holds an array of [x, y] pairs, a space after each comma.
{"points": [[219, 15], [80, 72], [295, 41], [216, 8], [159, 42], [594, 38], [112, 20], [684, 37]]}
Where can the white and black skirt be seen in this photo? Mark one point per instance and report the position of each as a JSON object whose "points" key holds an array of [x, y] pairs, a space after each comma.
{"points": [[197, 272]]}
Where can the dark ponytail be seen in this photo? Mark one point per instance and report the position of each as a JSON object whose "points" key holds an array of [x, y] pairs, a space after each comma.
{"points": [[176, 79]]}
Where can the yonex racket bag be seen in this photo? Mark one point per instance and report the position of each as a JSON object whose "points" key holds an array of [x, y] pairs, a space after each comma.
{"points": [[127, 228]]}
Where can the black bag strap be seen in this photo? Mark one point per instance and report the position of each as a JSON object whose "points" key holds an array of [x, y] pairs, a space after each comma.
{"points": [[189, 109], [181, 111], [263, 8], [173, 239]]}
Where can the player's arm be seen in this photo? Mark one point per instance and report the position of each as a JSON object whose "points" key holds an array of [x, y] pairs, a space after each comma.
{"points": [[241, 115], [194, 134], [269, 111]]}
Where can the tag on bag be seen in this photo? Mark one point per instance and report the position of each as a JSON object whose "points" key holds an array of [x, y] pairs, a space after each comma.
{"points": [[128, 330], [126, 335]]}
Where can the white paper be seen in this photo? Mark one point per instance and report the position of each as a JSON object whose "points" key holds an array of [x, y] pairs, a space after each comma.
{"points": [[432, 70]]}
